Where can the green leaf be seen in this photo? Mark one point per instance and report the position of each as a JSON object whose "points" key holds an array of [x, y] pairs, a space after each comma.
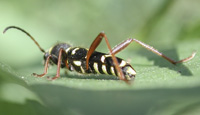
{"points": [[159, 88]]}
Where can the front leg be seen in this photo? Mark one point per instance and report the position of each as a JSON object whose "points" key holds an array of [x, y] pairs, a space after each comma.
{"points": [[45, 68], [58, 65]]}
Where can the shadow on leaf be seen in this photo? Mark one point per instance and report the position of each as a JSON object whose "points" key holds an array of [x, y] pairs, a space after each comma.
{"points": [[161, 62], [90, 76]]}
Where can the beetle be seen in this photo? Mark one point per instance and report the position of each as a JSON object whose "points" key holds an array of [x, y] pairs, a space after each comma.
{"points": [[86, 61]]}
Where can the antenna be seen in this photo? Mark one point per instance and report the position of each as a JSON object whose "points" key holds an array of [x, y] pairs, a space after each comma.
{"points": [[9, 27]]}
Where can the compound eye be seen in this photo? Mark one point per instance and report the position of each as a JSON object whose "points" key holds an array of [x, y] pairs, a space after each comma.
{"points": [[46, 55]]}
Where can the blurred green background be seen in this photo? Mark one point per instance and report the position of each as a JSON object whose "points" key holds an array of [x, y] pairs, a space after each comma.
{"points": [[172, 26]]}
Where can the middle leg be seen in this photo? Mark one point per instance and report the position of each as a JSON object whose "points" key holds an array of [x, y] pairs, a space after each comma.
{"points": [[95, 44]]}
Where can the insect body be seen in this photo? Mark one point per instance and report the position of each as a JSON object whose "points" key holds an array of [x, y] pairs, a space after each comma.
{"points": [[88, 61], [74, 59]]}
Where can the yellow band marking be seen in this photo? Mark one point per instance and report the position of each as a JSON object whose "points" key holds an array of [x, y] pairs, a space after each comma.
{"points": [[74, 51], [96, 67], [68, 49], [112, 70], [77, 63], [131, 71], [104, 69], [82, 70], [122, 64], [103, 59]]}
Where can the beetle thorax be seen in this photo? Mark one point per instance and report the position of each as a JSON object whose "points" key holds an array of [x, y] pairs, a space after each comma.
{"points": [[54, 53]]}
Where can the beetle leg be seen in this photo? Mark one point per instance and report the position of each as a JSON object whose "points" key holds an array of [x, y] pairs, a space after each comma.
{"points": [[125, 43], [58, 65], [95, 44], [45, 68]]}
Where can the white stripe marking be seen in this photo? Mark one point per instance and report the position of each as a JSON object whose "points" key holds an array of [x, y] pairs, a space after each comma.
{"points": [[131, 71], [74, 51], [122, 64], [103, 59], [112, 70], [82, 70], [108, 55], [68, 49], [96, 67], [104, 69], [77, 63]]}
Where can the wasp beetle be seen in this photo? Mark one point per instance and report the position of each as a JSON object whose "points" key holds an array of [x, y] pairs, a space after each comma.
{"points": [[86, 61]]}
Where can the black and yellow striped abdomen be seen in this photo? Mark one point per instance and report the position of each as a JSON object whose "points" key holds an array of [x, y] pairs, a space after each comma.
{"points": [[99, 63]]}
